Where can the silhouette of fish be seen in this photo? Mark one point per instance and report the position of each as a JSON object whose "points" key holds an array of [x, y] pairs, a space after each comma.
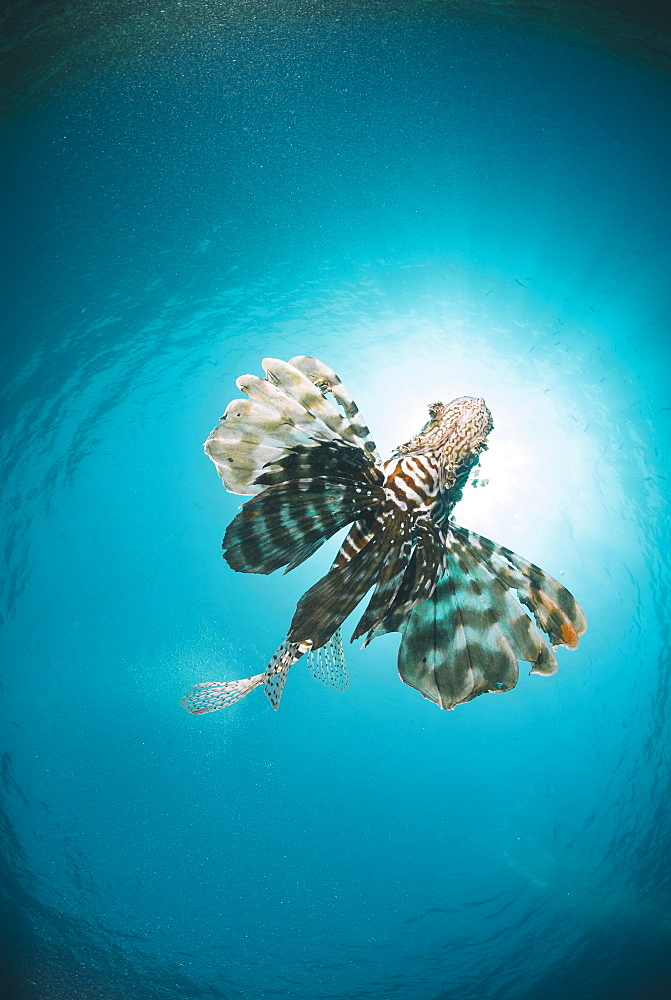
{"points": [[457, 598]]}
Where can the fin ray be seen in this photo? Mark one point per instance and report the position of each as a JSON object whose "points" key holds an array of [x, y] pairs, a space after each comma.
{"points": [[399, 545], [326, 604], [425, 567], [505, 613], [321, 375], [327, 664], [210, 696]]}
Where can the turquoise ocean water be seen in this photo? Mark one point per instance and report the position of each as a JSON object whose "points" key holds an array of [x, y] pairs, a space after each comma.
{"points": [[434, 207]]}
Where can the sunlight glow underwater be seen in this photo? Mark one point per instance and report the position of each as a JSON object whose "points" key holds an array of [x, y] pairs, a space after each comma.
{"points": [[434, 210]]}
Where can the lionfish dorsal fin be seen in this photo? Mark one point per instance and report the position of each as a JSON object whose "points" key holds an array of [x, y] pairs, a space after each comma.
{"points": [[305, 392]]}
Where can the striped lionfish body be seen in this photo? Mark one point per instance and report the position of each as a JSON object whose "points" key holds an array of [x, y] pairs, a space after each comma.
{"points": [[457, 598]]}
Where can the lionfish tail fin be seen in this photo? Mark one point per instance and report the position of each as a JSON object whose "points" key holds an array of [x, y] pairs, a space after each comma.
{"points": [[467, 637], [210, 696]]}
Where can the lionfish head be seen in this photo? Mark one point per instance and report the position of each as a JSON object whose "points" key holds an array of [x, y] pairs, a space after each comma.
{"points": [[458, 430]]}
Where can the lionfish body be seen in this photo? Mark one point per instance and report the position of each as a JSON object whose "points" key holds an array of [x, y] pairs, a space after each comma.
{"points": [[456, 597]]}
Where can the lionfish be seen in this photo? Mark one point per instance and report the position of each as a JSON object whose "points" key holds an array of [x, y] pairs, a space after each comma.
{"points": [[457, 598]]}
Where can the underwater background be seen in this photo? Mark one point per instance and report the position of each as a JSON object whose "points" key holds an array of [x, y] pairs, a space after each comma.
{"points": [[436, 203]]}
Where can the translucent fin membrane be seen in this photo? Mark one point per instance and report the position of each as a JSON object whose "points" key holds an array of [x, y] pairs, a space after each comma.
{"points": [[286, 413], [555, 609], [327, 664], [467, 637], [210, 696]]}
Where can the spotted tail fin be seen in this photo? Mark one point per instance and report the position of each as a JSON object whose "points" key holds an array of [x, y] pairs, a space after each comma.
{"points": [[210, 696], [466, 638], [277, 670]]}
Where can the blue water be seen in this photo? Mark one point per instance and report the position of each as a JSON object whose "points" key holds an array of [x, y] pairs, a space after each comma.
{"points": [[433, 208]]}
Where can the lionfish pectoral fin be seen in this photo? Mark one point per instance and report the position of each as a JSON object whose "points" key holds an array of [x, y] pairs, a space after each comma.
{"points": [[288, 522], [466, 639], [555, 610], [327, 664], [452, 650], [210, 696]]}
